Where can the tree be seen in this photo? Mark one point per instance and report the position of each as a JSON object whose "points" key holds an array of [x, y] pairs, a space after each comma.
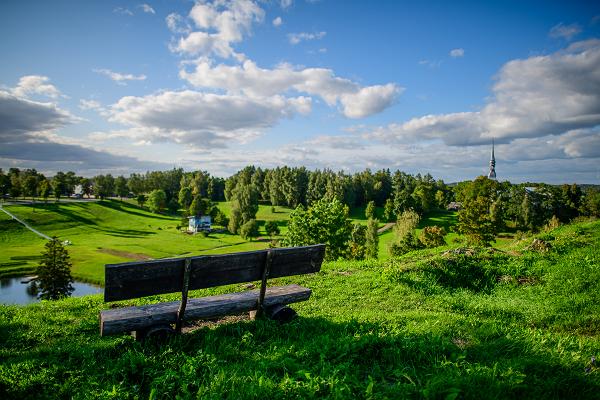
{"points": [[104, 186], [235, 220], [388, 211], [249, 230], [54, 278], [30, 186], [220, 218], [245, 199], [121, 187], [432, 236], [58, 185], [370, 210], [372, 239], [86, 186], [141, 199], [358, 239], [271, 228], [475, 222], [157, 200], [404, 230], [44, 189], [200, 206], [185, 197], [326, 221]]}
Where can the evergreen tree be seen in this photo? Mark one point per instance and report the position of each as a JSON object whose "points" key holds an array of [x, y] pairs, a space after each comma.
{"points": [[372, 239], [370, 210], [54, 278], [249, 230], [271, 228]]}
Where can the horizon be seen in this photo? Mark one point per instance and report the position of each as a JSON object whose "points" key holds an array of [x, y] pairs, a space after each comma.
{"points": [[126, 87]]}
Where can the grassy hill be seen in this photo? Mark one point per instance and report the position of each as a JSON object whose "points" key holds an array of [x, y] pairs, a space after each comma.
{"points": [[512, 323], [101, 233]]}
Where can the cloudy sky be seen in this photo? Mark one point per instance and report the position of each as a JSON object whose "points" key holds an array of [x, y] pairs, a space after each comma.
{"points": [[120, 87]]}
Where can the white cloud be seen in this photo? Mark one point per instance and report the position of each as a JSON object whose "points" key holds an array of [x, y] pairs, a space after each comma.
{"points": [[203, 120], [369, 100], [534, 97], [455, 53], [147, 8], [253, 81], [121, 79], [221, 24], [35, 84], [122, 11], [89, 104], [295, 38], [177, 24], [286, 3], [277, 21], [564, 31]]}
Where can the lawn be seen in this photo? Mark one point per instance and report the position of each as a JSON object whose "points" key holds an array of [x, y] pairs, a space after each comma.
{"points": [[488, 324]]}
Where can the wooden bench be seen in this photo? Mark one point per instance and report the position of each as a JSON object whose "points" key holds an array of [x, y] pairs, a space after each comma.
{"points": [[147, 278]]}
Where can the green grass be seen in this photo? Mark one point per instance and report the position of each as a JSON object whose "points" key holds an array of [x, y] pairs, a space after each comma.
{"points": [[493, 324], [102, 233]]}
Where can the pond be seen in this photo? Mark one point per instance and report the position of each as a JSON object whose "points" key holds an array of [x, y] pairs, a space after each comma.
{"points": [[14, 291]]}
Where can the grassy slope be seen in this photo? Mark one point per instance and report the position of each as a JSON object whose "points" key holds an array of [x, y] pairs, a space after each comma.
{"points": [[103, 233], [494, 325]]}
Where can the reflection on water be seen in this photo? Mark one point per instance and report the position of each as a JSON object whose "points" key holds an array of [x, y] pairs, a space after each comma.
{"points": [[13, 291]]}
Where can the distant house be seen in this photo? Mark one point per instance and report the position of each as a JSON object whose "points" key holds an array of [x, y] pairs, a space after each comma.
{"points": [[454, 206], [202, 223]]}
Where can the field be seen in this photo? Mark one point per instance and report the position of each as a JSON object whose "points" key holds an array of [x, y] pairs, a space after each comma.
{"points": [[511, 323], [113, 231]]}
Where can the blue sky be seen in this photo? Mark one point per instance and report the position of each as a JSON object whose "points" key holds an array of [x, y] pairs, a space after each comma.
{"points": [[120, 87]]}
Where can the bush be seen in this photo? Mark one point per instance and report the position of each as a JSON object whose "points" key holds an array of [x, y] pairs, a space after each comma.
{"points": [[325, 221], [272, 228], [432, 236], [249, 230], [404, 230]]}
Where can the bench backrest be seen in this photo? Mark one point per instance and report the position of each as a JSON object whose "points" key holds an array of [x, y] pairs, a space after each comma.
{"points": [[146, 278]]}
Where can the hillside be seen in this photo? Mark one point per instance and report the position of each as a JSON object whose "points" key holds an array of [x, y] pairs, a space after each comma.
{"points": [[465, 324]]}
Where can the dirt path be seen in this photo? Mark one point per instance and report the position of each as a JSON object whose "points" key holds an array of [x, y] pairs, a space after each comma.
{"points": [[25, 224], [126, 254], [385, 228]]}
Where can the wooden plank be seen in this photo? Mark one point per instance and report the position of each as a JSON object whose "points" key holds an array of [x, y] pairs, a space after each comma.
{"points": [[147, 278], [129, 319]]}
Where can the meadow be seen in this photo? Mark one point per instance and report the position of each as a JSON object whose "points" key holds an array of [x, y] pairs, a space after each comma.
{"points": [[114, 231], [434, 324]]}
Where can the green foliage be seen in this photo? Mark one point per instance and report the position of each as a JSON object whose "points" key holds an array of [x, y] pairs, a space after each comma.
{"points": [[370, 210], [200, 206], [272, 228], [249, 230], [432, 236], [245, 200], [358, 239], [389, 213], [326, 222], [54, 279], [371, 239], [405, 239], [173, 206], [475, 222], [185, 197], [141, 199], [121, 188], [44, 189], [104, 186], [157, 200], [220, 218], [235, 220]]}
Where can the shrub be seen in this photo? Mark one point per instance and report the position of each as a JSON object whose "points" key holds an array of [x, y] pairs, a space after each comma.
{"points": [[272, 228], [404, 230], [432, 236], [372, 239], [249, 230]]}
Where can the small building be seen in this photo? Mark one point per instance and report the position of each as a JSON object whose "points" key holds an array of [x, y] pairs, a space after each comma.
{"points": [[202, 223], [454, 206]]}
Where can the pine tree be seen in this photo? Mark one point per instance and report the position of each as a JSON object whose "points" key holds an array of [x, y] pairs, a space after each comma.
{"points": [[372, 239], [54, 272]]}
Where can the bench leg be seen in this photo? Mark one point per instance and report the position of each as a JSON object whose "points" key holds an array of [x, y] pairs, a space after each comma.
{"points": [[281, 313], [160, 332]]}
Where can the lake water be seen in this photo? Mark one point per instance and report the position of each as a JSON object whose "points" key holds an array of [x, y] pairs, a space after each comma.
{"points": [[12, 291]]}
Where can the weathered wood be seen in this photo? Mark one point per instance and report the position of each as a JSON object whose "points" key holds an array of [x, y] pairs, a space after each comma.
{"points": [[147, 278], [263, 283], [129, 319], [184, 294]]}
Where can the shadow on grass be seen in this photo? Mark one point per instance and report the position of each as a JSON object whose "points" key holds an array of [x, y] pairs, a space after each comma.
{"points": [[130, 209], [441, 218], [310, 357]]}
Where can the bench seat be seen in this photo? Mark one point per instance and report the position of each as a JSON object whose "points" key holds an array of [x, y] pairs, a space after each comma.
{"points": [[127, 319]]}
